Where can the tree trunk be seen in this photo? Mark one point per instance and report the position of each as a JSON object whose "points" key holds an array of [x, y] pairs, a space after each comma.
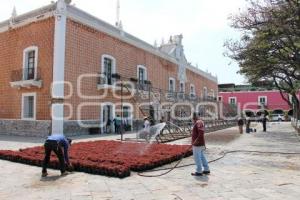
{"points": [[297, 106], [296, 109]]}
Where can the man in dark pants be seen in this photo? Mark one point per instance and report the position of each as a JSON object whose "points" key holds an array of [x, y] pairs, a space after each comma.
{"points": [[117, 122], [240, 125], [248, 122], [60, 145], [264, 122]]}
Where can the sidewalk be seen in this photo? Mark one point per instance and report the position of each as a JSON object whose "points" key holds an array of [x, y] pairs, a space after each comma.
{"points": [[236, 177]]}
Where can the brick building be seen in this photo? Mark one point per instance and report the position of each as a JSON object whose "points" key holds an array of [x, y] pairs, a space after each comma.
{"points": [[61, 71]]}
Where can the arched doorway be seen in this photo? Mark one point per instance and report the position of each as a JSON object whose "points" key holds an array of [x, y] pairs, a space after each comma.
{"points": [[278, 115], [249, 113], [127, 116], [107, 117], [278, 111]]}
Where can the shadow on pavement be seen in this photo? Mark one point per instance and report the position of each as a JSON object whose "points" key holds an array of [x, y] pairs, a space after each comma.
{"points": [[51, 178], [202, 178]]}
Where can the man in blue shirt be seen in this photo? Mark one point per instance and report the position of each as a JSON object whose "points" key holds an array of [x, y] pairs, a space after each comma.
{"points": [[56, 143]]}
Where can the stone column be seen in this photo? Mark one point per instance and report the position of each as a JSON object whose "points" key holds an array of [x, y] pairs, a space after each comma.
{"points": [[59, 68]]}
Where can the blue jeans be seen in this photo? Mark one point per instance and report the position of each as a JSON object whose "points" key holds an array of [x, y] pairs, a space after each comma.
{"points": [[200, 160]]}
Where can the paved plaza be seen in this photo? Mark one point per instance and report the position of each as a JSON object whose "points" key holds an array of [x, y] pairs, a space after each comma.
{"points": [[238, 176]]}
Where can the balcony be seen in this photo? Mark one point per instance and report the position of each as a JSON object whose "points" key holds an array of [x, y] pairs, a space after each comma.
{"points": [[209, 98], [105, 83], [192, 96], [180, 96], [171, 96], [112, 83], [25, 78]]}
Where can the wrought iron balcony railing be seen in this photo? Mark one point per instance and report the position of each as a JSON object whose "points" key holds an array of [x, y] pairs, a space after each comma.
{"points": [[24, 74], [27, 78]]}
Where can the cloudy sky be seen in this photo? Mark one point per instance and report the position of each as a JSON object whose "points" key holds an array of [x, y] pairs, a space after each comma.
{"points": [[203, 23]]}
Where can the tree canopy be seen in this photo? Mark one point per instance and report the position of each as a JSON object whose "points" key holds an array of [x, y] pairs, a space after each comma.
{"points": [[269, 49]]}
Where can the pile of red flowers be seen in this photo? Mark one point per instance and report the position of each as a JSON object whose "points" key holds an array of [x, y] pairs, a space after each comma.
{"points": [[110, 158]]}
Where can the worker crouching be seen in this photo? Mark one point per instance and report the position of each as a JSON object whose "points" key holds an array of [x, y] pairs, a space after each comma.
{"points": [[60, 146]]}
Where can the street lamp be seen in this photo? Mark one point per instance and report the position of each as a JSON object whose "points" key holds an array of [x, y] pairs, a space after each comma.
{"points": [[118, 77]]}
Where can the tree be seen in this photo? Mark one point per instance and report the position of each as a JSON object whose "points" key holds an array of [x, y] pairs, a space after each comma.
{"points": [[269, 49]]}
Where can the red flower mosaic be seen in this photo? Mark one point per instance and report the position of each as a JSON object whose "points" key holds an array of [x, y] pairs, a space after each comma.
{"points": [[110, 158]]}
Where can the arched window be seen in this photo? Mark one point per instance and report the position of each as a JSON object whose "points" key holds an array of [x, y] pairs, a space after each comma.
{"points": [[204, 92], [141, 74], [30, 62], [142, 77], [108, 67], [107, 116], [127, 116], [28, 106], [192, 90], [212, 93], [172, 84], [181, 87]]}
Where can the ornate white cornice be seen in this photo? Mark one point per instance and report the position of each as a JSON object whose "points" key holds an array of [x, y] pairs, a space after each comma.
{"points": [[27, 18]]}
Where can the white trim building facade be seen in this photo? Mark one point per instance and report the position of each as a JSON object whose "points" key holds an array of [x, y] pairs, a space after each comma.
{"points": [[68, 47]]}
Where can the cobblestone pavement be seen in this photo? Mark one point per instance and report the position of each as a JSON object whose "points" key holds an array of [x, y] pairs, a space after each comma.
{"points": [[236, 177]]}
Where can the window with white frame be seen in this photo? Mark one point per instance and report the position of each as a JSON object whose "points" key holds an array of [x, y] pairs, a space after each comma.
{"points": [[232, 100], [127, 116], [30, 61], [108, 69], [192, 90], [141, 74], [126, 111], [182, 87], [29, 106], [212, 93], [172, 85], [262, 100], [204, 92], [220, 98]]}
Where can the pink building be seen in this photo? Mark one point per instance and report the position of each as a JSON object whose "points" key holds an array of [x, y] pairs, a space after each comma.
{"points": [[255, 101]]}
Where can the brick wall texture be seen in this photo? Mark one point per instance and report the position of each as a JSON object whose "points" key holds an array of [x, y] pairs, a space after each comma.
{"points": [[84, 49], [12, 44]]}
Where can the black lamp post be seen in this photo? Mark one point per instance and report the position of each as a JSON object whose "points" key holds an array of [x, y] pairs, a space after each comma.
{"points": [[118, 77], [148, 83]]}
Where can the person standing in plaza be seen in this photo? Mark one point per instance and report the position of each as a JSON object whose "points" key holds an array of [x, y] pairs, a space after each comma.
{"points": [[146, 123], [264, 122], [146, 129], [108, 125], [60, 145], [117, 122], [198, 144], [248, 122], [240, 125]]}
